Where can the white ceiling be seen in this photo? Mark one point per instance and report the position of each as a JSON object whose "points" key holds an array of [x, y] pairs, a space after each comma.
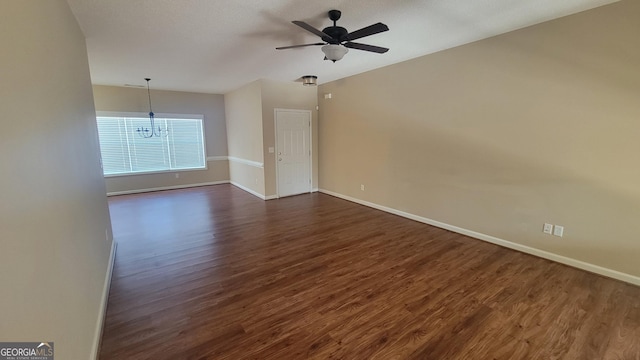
{"points": [[216, 46]]}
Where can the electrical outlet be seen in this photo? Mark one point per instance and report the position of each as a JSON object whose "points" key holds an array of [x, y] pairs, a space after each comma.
{"points": [[548, 228], [177, 175], [558, 230], [361, 187]]}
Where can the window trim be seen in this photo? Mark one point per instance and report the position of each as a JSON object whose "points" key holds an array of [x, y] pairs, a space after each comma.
{"points": [[159, 116]]}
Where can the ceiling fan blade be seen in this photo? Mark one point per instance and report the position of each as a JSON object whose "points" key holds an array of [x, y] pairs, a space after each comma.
{"points": [[297, 46], [366, 31], [309, 28], [365, 47]]}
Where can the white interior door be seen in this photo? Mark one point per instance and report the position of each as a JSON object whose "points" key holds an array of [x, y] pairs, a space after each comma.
{"points": [[293, 151]]}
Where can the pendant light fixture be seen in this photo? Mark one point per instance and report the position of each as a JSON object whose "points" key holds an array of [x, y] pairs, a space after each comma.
{"points": [[151, 131]]}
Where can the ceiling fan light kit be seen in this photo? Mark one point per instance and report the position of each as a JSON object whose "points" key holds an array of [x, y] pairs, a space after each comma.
{"points": [[334, 52], [337, 39]]}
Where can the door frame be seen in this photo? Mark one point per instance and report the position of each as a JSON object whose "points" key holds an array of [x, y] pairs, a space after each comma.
{"points": [[275, 153]]}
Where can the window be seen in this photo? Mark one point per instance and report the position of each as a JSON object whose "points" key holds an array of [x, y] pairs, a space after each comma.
{"points": [[125, 152]]}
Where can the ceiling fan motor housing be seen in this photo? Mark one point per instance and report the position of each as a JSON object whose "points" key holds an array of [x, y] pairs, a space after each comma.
{"points": [[335, 34]]}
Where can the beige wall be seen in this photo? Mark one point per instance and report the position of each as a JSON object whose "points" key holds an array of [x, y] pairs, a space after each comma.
{"points": [[502, 135], [217, 172], [125, 99], [243, 109], [251, 130], [53, 209], [286, 95]]}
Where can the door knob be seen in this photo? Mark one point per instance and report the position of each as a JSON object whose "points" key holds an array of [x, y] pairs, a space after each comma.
{"points": [[279, 159]]}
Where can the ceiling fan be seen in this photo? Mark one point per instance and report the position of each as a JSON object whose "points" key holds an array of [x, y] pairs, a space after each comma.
{"points": [[337, 39]]}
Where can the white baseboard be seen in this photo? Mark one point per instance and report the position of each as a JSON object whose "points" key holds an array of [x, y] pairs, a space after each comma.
{"points": [[494, 240], [314, 190], [138, 191], [103, 303], [271, 197], [252, 192]]}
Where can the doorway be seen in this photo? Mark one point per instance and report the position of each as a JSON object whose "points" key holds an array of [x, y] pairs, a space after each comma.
{"points": [[293, 151]]}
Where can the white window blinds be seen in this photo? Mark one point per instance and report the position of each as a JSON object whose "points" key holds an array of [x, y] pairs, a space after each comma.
{"points": [[124, 151]]}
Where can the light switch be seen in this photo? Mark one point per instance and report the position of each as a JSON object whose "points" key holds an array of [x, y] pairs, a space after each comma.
{"points": [[558, 230], [271, 149]]}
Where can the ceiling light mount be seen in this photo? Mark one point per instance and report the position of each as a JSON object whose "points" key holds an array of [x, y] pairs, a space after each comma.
{"points": [[309, 80]]}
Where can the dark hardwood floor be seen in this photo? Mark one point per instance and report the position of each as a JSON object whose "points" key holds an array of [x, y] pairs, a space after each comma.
{"points": [[216, 273]]}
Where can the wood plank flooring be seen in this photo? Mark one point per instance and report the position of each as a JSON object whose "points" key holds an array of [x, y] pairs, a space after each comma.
{"points": [[215, 273]]}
